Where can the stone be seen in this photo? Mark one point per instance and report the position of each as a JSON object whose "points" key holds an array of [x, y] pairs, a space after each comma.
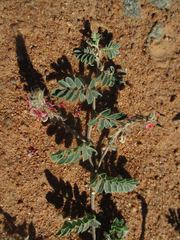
{"points": [[161, 3], [131, 8], [156, 32]]}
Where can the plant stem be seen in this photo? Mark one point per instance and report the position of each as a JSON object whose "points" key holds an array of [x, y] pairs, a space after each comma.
{"points": [[70, 130]]}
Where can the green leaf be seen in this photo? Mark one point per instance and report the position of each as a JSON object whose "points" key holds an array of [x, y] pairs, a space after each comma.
{"points": [[102, 175], [109, 78], [82, 225], [84, 154], [89, 96], [63, 84], [56, 156], [75, 96], [85, 227], [113, 184], [100, 124], [96, 94], [55, 92], [78, 82], [62, 93], [70, 82], [107, 187], [106, 123], [76, 157], [105, 113], [81, 95], [69, 94], [83, 82], [78, 222], [100, 186], [93, 183], [114, 187], [85, 219], [95, 37], [95, 223], [112, 49], [93, 121], [92, 83], [91, 151], [70, 158], [117, 229], [87, 55], [79, 229], [113, 123], [92, 43], [99, 77]]}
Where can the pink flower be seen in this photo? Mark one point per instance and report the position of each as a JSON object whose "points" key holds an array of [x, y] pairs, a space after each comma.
{"points": [[62, 105], [78, 111], [149, 125], [31, 152]]}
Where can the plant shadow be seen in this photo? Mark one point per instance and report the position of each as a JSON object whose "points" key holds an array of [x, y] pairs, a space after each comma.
{"points": [[61, 134], [32, 78], [144, 210], [108, 213], [14, 231], [174, 219], [66, 198], [62, 69]]}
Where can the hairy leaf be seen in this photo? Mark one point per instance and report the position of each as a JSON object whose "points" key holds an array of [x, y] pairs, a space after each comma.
{"points": [[93, 121], [113, 184], [92, 83], [81, 224], [63, 84], [89, 96], [105, 113], [69, 94], [117, 229], [100, 124], [55, 92], [70, 82], [96, 94], [87, 55], [93, 183], [112, 49], [75, 96], [81, 95], [78, 82], [72, 155]]}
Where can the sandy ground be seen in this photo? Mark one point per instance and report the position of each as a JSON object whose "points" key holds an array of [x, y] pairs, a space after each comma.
{"points": [[37, 43]]}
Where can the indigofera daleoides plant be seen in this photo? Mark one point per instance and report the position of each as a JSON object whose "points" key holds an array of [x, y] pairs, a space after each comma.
{"points": [[76, 88]]}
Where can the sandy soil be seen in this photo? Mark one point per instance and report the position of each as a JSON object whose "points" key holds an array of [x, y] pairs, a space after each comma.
{"points": [[37, 42]]}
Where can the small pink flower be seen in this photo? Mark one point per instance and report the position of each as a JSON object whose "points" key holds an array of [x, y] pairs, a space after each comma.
{"points": [[78, 111], [62, 105], [149, 125], [31, 152], [27, 102]]}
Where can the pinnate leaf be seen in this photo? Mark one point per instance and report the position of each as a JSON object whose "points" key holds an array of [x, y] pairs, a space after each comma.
{"points": [[112, 49], [113, 184], [82, 224]]}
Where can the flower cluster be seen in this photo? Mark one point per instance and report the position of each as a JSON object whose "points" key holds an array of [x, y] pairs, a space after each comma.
{"points": [[40, 106], [151, 119]]}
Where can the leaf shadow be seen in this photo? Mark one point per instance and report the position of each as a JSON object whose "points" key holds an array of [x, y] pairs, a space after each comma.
{"points": [[108, 213], [113, 167], [61, 134], [62, 69], [176, 118], [174, 218], [66, 198], [22, 230], [32, 78], [144, 210]]}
